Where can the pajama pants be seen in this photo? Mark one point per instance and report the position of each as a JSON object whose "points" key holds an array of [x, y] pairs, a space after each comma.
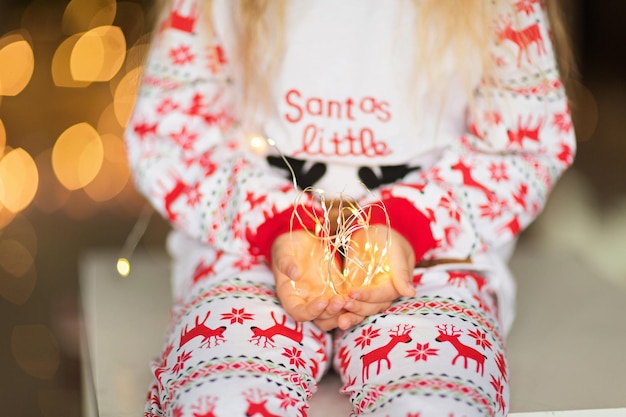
{"points": [[232, 351]]}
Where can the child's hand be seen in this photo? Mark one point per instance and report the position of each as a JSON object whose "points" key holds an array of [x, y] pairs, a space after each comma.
{"points": [[298, 265], [385, 287]]}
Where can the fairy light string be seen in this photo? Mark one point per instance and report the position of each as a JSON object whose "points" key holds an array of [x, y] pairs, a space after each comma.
{"points": [[347, 263]]}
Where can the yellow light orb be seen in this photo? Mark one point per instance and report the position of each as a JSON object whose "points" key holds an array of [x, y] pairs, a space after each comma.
{"points": [[77, 156], [18, 180], [18, 63], [114, 174], [3, 138], [125, 95], [123, 267], [61, 73], [98, 54]]}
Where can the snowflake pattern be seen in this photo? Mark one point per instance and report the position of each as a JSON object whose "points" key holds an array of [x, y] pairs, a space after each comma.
{"points": [[498, 386], [286, 400], [493, 208], [498, 172], [563, 121], [295, 357], [184, 139], [181, 55], [421, 352], [237, 316], [481, 338], [365, 339]]}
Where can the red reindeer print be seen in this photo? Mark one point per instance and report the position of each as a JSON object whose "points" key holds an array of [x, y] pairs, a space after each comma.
{"points": [[257, 404], [469, 180], [523, 38], [266, 336], [381, 354], [176, 20], [525, 131], [172, 195], [512, 226], [200, 329], [203, 270], [565, 155], [254, 200], [521, 195], [143, 129], [204, 407], [452, 335], [459, 278], [525, 6]]}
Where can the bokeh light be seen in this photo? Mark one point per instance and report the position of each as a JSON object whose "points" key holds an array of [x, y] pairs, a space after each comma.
{"points": [[61, 72], [82, 15], [114, 174], [125, 95], [98, 54], [35, 350], [77, 156], [18, 63], [3, 138], [18, 180]]}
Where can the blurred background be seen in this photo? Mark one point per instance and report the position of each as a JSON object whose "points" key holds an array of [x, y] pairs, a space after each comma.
{"points": [[68, 75]]}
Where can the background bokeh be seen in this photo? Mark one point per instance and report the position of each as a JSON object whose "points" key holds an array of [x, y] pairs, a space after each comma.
{"points": [[68, 74]]}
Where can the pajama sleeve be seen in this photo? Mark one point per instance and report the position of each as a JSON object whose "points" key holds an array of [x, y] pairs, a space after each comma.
{"points": [[492, 182], [184, 147]]}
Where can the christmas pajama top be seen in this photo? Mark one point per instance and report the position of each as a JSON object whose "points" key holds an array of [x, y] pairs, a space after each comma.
{"points": [[346, 109]]}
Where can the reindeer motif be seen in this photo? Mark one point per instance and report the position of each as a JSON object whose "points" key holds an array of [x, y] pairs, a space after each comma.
{"points": [[278, 329], [459, 277], [381, 354], [522, 38], [525, 131], [184, 23], [468, 179], [466, 352], [203, 270], [200, 329], [172, 195], [257, 404], [205, 407]]}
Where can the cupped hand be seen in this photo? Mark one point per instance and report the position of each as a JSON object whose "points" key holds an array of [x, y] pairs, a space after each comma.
{"points": [[388, 285], [299, 267]]}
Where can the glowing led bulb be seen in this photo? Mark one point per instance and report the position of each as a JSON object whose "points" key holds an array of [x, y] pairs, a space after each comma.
{"points": [[123, 267], [258, 143]]}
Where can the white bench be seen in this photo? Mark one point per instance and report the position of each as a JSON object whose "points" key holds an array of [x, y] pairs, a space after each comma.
{"points": [[566, 349]]}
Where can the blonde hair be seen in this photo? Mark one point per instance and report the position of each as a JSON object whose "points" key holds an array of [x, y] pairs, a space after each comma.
{"points": [[463, 29]]}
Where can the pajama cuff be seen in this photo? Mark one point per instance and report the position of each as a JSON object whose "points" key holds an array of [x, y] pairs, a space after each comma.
{"points": [[407, 220]]}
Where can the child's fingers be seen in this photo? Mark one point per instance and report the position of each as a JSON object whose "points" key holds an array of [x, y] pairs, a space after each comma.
{"points": [[376, 293], [349, 319], [301, 310], [363, 309]]}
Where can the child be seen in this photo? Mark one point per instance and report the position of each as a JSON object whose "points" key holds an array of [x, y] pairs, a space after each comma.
{"points": [[454, 117]]}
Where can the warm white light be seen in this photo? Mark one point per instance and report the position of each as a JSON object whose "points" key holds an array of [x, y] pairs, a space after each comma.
{"points": [[123, 267], [258, 144]]}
